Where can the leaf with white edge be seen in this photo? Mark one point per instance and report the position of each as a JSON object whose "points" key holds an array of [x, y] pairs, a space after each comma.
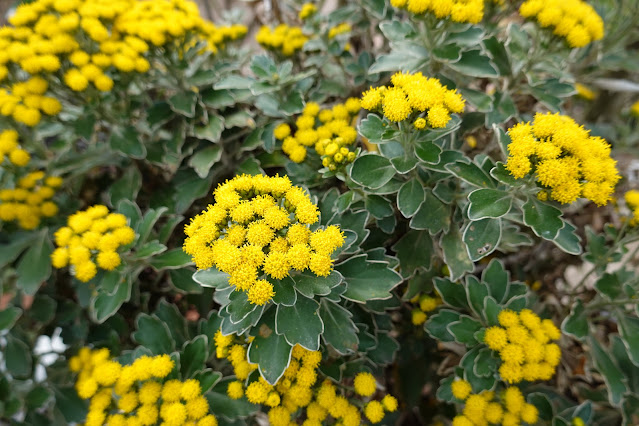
{"points": [[367, 280], [127, 143], [184, 103], [339, 330], [105, 305], [193, 356], [568, 240], [414, 251], [611, 373], [496, 278], [153, 334], [285, 293], [203, 160], [310, 285], [474, 64], [207, 378], [437, 325], [456, 254], [432, 215], [300, 324], [482, 237], [211, 278], [476, 291], [410, 197], [212, 131], [372, 171], [269, 350], [172, 259], [545, 220], [35, 265], [453, 294], [576, 324], [464, 330], [150, 249], [629, 330], [428, 152], [487, 202], [471, 173]]}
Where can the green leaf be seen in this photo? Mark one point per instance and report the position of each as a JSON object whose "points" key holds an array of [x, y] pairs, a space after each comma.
{"points": [[125, 188], [474, 64], [193, 356], [285, 293], [73, 409], [491, 311], [373, 128], [428, 152], [432, 215], [476, 291], [184, 103], [480, 100], [17, 358], [482, 237], [410, 197], [227, 408], [170, 315], [207, 378], [150, 249], [172, 259], [485, 203], [612, 375], [447, 53], [609, 286], [182, 280], [453, 294], [499, 55], [576, 324], [218, 98], [568, 240], [203, 160], [38, 397], [629, 330], [496, 278], [234, 81], [456, 254], [239, 307], [145, 227], [372, 171], [471, 173], [105, 305], [300, 324], [126, 142], [9, 316], [339, 330], [18, 242], [414, 251], [212, 131], [367, 280], [269, 350], [35, 265], [153, 334], [544, 220], [464, 329], [211, 278], [378, 206], [437, 325], [309, 284]]}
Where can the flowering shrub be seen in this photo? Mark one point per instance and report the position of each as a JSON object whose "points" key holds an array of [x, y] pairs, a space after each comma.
{"points": [[377, 212]]}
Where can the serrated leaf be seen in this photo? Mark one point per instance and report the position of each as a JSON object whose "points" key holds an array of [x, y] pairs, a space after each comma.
{"points": [[367, 280]]}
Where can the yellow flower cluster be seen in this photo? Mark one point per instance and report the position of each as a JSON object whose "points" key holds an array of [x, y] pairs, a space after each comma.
{"points": [[466, 11], [425, 304], [480, 409], [632, 200], [410, 96], [585, 92], [524, 345], [299, 388], [10, 149], [634, 109], [137, 394], [91, 236], [331, 131], [308, 10], [342, 28], [564, 157], [30, 201], [89, 41], [261, 225], [284, 39], [574, 20]]}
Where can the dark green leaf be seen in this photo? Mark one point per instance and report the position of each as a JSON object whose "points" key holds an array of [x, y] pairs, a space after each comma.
{"points": [[105, 305], [309, 284], [471, 173], [610, 372], [456, 254], [17, 357], [437, 325], [367, 280], [410, 197], [125, 188], [453, 294], [211, 278], [9, 316], [172, 259], [482, 237], [153, 334], [35, 265], [184, 103], [464, 329], [339, 330], [300, 324], [212, 131], [269, 350], [544, 220], [414, 251], [203, 160], [576, 324], [474, 64], [193, 356], [372, 171], [126, 142], [432, 215], [485, 203]]}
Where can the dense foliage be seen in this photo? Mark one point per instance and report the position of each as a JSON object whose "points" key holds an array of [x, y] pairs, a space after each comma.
{"points": [[384, 212]]}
